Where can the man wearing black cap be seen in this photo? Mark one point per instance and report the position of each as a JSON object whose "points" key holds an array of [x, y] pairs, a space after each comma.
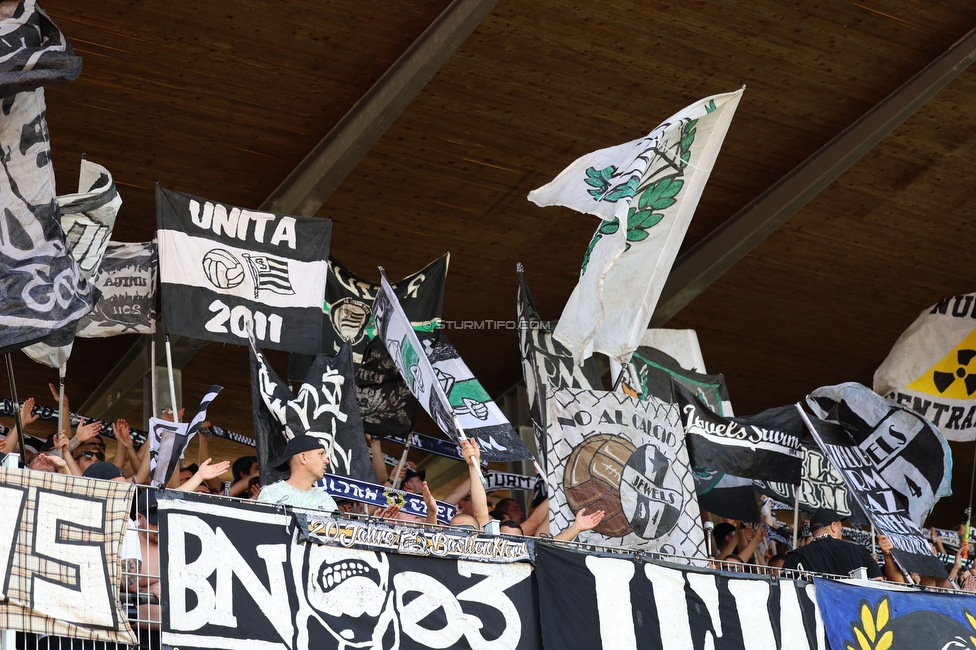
{"points": [[306, 458], [828, 553]]}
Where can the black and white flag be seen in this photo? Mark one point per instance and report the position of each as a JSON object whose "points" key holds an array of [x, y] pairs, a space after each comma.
{"points": [[387, 406], [127, 281], [168, 440], [325, 407], [546, 363], [348, 308], [886, 507], [33, 51], [765, 446], [42, 287], [443, 384], [87, 218], [225, 270], [908, 450], [820, 487], [627, 457]]}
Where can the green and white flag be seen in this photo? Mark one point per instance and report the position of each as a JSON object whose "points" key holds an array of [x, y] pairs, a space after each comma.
{"points": [[652, 184]]}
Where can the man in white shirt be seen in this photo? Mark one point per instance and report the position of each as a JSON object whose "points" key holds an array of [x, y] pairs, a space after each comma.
{"points": [[306, 458]]}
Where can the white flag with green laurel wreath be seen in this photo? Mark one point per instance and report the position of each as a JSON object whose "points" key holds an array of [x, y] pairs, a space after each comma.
{"points": [[653, 185]]}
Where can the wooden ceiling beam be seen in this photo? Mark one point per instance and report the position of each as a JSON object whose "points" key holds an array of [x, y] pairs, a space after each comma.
{"points": [[308, 186], [719, 251]]}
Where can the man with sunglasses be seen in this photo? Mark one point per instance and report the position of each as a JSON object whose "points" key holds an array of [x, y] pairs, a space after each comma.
{"points": [[87, 454]]}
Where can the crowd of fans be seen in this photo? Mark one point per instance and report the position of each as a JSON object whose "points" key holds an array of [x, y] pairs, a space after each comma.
{"points": [[762, 547]]}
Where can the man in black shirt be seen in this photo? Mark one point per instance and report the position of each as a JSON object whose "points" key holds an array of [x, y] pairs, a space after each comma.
{"points": [[828, 553]]}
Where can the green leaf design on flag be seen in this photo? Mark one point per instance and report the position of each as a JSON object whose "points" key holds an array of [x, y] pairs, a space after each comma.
{"points": [[599, 179], [606, 228], [710, 106], [409, 357]]}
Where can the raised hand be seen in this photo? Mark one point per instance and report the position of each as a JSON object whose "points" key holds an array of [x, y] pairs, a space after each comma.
{"points": [[26, 412], [86, 432], [122, 435], [589, 521], [389, 512], [470, 451], [208, 471]]}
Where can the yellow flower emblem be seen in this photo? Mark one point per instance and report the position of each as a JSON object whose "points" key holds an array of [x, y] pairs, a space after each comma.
{"points": [[870, 635]]}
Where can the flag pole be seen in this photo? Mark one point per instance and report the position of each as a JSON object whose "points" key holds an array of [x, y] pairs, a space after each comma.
{"points": [[152, 373], [403, 461], [62, 371], [172, 382], [796, 515], [13, 394]]}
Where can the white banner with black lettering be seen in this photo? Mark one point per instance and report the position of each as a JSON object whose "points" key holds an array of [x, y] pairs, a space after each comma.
{"points": [[627, 457], [620, 603], [388, 535], [59, 546], [223, 268], [236, 576]]}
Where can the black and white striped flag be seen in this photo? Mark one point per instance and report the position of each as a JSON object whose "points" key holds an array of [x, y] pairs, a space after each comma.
{"points": [[168, 440], [224, 269]]}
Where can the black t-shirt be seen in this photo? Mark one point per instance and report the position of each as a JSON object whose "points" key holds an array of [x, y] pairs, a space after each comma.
{"points": [[833, 556]]}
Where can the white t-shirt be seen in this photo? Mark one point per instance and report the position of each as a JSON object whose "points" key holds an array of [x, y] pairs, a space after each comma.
{"points": [[284, 494]]}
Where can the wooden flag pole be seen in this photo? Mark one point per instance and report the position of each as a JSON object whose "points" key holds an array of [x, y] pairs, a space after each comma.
{"points": [[403, 461], [13, 394]]}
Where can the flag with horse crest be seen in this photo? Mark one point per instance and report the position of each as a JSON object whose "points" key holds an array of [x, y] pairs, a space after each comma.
{"points": [[348, 308], [652, 185], [226, 271], [443, 384], [627, 457], [932, 367]]}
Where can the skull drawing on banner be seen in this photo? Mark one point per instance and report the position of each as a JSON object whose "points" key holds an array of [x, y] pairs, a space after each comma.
{"points": [[350, 591]]}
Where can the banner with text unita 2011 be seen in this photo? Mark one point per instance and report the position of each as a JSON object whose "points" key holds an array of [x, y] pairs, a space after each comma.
{"points": [[225, 270]]}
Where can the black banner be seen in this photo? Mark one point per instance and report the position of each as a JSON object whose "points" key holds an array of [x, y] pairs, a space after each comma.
{"points": [[236, 576], [765, 446], [325, 407], [622, 603], [224, 270], [885, 507], [726, 495]]}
